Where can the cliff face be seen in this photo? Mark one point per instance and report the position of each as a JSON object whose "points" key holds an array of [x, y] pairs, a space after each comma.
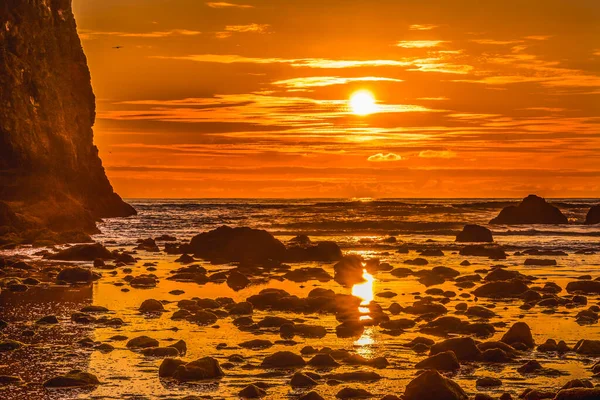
{"points": [[50, 171]]}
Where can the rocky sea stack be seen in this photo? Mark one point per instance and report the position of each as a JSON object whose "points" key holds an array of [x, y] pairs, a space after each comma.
{"points": [[593, 216], [532, 210], [50, 173]]}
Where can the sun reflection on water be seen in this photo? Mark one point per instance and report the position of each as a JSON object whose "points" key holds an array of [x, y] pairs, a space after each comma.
{"points": [[364, 290]]}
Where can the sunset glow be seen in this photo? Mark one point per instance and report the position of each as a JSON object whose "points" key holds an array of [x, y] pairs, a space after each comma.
{"points": [[280, 99]]}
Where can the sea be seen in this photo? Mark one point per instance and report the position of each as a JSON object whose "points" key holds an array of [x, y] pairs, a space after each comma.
{"points": [[352, 222]]}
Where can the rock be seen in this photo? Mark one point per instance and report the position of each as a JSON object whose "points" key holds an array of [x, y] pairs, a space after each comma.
{"points": [[444, 361], [349, 270], [475, 234], [464, 348], [587, 287], [417, 261], [530, 367], [75, 378], [323, 361], [588, 347], [226, 244], [252, 392], [147, 245], [356, 376], [430, 385], [151, 306], [301, 380], [83, 252], [201, 369], [311, 396], [477, 250], [501, 289], [142, 342], [488, 381], [9, 380], [10, 345], [47, 320], [321, 251], [49, 165], [532, 210], [168, 366], [352, 393], [160, 352], [519, 333], [237, 280], [256, 344], [540, 262], [241, 308], [77, 275], [593, 216], [481, 312], [578, 394], [283, 359], [306, 274]]}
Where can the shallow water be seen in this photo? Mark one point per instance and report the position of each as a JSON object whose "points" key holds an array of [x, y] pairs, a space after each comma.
{"points": [[128, 374]]}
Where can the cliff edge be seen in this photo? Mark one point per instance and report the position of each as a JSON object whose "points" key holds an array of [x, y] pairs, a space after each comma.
{"points": [[50, 173]]}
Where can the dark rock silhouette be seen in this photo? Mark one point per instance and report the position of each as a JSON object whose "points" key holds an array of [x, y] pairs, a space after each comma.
{"points": [[475, 234], [592, 217], [226, 244], [532, 210], [50, 173]]}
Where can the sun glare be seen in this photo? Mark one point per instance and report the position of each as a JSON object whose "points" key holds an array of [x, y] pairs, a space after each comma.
{"points": [[363, 103]]}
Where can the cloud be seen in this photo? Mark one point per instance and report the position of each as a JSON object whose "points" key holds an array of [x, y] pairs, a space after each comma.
{"points": [[222, 4], [380, 157], [419, 44], [88, 34], [422, 27], [538, 37], [320, 81], [294, 62], [254, 28], [437, 154], [496, 42]]}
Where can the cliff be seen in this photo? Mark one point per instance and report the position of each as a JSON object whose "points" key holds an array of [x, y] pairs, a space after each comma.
{"points": [[50, 173]]}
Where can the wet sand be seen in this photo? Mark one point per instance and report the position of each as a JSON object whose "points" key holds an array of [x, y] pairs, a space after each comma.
{"points": [[124, 373]]}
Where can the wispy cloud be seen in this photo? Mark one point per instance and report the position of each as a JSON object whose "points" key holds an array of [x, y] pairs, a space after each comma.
{"points": [[422, 27], [538, 37], [222, 4], [380, 157], [320, 81], [437, 154], [496, 42], [419, 44], [89, 34]]}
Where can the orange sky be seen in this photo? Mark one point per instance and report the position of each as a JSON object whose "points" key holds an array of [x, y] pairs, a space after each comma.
{"points": [[250, 98]]}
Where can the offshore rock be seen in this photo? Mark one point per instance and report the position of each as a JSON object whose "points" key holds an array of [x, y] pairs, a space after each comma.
{"points": [[532, 210]]}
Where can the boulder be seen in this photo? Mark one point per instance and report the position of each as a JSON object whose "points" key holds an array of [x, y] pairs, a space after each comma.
{"points": [[201, 369], [478, 250], [326, 251], [237, 281], [531, 210], [283, 359], [475, 234], [83, 252], [501, 289], [141, 342], [226, 244], [587, 287], [349, 270], [77, 275], [252, 392], [430, 385], [75, 378], [444, 361], [588, 347], [593, 216], [578, 394], [519, 333], [464, 348], [151, 306]]}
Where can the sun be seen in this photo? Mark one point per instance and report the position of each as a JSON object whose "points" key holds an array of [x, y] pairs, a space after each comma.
{"points": [[362, 103]]}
